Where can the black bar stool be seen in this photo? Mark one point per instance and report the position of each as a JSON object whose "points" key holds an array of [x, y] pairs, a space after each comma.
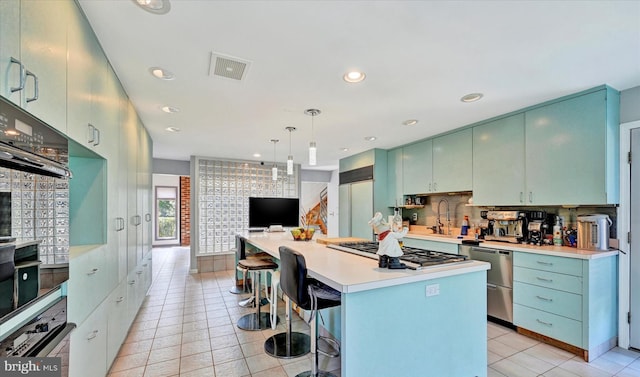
{"points": [[241, 245], [256, 321], [293, 283], [311, 295]]}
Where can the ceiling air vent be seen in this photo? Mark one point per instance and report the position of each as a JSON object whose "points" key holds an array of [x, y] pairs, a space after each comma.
{"points": [[228, 67]]}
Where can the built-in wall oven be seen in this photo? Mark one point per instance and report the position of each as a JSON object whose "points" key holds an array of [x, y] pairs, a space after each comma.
{"points": [[499, 279]]}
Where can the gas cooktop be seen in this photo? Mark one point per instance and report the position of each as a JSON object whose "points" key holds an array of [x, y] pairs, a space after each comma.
{"points": [[414, 258]]}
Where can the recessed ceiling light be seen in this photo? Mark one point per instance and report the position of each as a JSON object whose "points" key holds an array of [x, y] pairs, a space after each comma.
{"points": [[344, 149], [370, 138], [173, 129], [410, 122], [161, 73], [473, 97], [154, 6], [170, 109], [257, 155], [354, 76]]}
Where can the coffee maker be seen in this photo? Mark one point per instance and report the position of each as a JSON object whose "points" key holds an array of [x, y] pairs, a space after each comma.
{"points": [[508, 226], [485, 225], [540, 224]]}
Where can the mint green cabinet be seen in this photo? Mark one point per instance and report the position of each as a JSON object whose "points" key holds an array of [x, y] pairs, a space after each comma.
{"points": [[452, 162], [498, 162], [571, 150], [445, 247], [34, 33], [568, 299], [395, 177], [417, 168], [560, 153]]}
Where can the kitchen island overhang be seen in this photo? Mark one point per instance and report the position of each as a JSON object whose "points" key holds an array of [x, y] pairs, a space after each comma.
{"points": [[399, 322]]}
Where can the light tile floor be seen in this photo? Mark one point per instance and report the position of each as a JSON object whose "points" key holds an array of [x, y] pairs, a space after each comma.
{"points": [[186, 328]]}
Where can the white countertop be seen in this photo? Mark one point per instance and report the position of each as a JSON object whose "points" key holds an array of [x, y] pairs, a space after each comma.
{"points": [[560, 251], [350, 273]]}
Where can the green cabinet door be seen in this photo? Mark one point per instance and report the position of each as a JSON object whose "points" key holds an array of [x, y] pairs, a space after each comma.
{"points": [[394, 177], [452, 156], [10, 48], [43, 39], [498, 162], [417, 168], [566, 151]]}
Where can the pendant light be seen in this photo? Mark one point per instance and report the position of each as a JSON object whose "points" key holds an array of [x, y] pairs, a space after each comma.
{"points": [[312, 144], [290, 158], [274, 169]]}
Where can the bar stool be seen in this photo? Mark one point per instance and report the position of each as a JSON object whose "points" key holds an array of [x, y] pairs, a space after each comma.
{"points": [[256, 321], [309, 294], [241, 244]]}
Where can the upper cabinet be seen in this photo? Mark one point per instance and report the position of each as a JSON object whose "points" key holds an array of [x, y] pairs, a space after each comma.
{"points": [[498, 162], [452, 156], [33, 49], [395, 177], [561, 153], [417, 167], [571, 150], [441, 164]]}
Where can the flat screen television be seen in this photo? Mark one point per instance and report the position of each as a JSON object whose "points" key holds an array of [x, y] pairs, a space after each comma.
{"points": [[264, 212]]}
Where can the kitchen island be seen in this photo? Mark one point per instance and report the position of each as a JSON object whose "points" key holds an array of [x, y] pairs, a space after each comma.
{"points": [[430, 322]]}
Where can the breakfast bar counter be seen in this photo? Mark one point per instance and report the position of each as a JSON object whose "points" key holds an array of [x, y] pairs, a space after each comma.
{"points": [[398, 321]]}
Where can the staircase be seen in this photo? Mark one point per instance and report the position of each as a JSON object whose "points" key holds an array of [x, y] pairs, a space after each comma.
{"points": [[317, 216]]}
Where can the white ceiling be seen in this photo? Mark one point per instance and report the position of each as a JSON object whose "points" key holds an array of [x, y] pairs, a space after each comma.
{"points": [[420, 57]]}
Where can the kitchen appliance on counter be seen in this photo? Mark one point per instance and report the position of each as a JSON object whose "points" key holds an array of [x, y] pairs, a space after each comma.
{"points": [[508, 226], [499, 279], [593, 232], [485, 225], [414, 258], [538, 227]]}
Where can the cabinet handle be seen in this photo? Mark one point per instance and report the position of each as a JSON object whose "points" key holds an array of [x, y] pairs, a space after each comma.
{"points": [[91, 133], [132, 282], [545, 263], [92, 272], [544, 323], [544, 298], [119, 224], [435, 186], [120, 299], [543, 279], [93, 334], [530, 196], [35, 86], [521, 197], [22, 75], [138, 272], [97, 138], [145, 265], [147, 217], [429, 186]]}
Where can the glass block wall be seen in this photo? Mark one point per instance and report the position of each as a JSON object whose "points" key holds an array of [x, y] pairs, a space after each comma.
{"points": [[39, 211], [222, 196]]}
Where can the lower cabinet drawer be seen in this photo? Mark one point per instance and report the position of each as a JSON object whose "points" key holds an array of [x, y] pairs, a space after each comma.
{"points": [[550, 300], [569, 266], [563, 282], [552, 325]]}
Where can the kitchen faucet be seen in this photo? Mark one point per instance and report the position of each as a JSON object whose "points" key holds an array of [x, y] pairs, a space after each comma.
{"points": [[439, 224]]}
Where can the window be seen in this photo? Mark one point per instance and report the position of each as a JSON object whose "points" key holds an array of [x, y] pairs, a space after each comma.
{"points": [[166, 213]]}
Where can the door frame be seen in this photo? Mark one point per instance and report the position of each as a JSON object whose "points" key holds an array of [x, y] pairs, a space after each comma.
{"points": [[624, 226]]}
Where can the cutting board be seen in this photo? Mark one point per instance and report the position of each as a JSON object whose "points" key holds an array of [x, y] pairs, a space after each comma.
{"points": [[333, 241]]}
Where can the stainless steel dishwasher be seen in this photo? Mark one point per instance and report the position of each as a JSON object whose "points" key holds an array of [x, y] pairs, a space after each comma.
{"points": [[499, 279]]}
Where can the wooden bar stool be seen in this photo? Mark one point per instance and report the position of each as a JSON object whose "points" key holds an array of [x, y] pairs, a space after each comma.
{"points": [[256, 321]]}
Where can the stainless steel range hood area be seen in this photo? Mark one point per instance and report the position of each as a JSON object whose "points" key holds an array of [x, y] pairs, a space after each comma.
{"points": [[30, 145]]}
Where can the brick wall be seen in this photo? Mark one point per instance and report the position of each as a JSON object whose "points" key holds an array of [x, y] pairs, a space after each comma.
{"points": [[185, 211]]}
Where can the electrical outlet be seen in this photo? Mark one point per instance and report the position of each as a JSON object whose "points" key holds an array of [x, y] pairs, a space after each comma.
{"points": [[433, 290]]}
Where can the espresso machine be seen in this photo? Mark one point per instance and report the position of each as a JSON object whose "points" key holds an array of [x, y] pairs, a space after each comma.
{"points": [[485, 225], [508, 226]]}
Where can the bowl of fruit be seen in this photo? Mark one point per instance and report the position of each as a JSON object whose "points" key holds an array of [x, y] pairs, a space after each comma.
{"points": [[302, 234]]}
